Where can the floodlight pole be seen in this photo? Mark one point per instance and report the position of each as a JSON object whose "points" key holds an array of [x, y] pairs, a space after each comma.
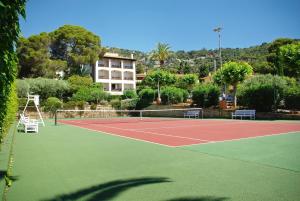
{"points": [[218, 30]]}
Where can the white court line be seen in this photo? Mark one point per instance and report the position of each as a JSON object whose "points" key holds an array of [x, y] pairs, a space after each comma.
{"points": [[175, 136], [244, 138], [122, 136]]}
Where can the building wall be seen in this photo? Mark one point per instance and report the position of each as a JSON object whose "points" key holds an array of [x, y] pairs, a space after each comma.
{"points": [[115, 74]]}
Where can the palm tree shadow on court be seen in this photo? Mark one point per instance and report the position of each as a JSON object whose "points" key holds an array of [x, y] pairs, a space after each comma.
{"points": [[109, 190]]}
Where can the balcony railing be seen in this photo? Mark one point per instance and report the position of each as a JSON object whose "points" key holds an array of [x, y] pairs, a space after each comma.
{"points": [[114, 65], [103, 77], [128, 66], [128, 78], [116, 78], [103, 64], [119, 89]]}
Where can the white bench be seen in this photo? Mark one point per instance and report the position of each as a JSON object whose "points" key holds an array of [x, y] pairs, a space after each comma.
{"points": [[243, 113], [29, 125], [192, 113]]}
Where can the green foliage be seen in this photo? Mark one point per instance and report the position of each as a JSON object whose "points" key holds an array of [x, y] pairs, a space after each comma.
{"points": [[289, 59], [22, 88], [173, 95], [93, 94], [146, 98], [128, 104], [273, 55], [161, 53], [262, 92], [159, 76], [115, 103], [233, 73], [75, 45], [44, 87], [264, 68], [70, 105], [292, 98], [9, 30], [187, 81], [129, 94], [76, 82], [52, 104], [206, 95]]}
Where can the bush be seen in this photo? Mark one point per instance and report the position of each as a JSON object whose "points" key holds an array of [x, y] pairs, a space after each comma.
{"points": [[52, 104], [172, 95], [76, 82], [146, 97], [10, 111], [90, 94], [206, 95], [44, 87], [262, 92], [129, 94], [22, 88], [292, 98], [115, 103], [128, 104], [187, 81], [93, 106], [70, 105]]}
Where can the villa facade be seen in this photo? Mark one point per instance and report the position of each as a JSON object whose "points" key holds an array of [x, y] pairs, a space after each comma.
{"points": [[115, 73]]}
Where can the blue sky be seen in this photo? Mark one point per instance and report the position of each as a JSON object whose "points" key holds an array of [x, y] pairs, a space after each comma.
{"points": [[183, 24]]}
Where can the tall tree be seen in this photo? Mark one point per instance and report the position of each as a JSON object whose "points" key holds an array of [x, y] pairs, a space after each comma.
{"points": [[161, 53], [232, 73], [76, 45], [289, 59], [273, 56], [10, 10]]}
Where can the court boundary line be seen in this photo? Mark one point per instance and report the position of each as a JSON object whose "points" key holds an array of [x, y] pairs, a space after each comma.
{"points": [[107, 133], [245, 138]]}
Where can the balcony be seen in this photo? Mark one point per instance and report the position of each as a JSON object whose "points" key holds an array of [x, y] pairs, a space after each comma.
{"points": [[116, 87], [115, 64], [128, 87], [128, 75], [116, 75], [103, 63], [127, 65], [103, 74]]}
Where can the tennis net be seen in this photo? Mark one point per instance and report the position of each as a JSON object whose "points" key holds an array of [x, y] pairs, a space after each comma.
{"points": [[126, 116]]}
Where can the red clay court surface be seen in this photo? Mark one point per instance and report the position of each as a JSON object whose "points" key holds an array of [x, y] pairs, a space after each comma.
{"points": [[182, 132]]}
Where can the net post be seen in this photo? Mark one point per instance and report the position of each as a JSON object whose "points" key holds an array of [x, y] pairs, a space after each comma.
{"points": [[202, 113], [141, 115], [55, 118]]}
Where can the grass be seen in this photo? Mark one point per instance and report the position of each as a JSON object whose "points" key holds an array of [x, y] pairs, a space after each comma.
{"points": [[69, 163]]}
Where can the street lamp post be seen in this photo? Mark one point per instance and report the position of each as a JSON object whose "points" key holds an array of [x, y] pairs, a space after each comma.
{"points": [[218, 30]]}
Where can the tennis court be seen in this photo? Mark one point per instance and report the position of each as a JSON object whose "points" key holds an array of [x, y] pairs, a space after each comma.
{"points": [[182, 132]]}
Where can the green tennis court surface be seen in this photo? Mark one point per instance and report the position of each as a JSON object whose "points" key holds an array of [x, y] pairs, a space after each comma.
{"points": [[70, 163]]}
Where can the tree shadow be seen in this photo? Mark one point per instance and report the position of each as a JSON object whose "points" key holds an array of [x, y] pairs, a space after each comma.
{"points": [[203, 198], [2, 174], [109, 190]]}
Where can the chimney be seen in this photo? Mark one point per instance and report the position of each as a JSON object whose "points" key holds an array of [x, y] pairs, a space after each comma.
{"points": [[131, 56]]}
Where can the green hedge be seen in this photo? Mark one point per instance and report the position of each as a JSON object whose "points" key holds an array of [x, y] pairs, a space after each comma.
{"points": [[292, 98], [173, 95], [129, 94], [146, 97], [262, 92], [44, 87], [206, 95]]}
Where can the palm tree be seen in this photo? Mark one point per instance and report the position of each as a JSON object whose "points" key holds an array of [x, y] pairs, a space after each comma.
{"points": [[161, 53]]}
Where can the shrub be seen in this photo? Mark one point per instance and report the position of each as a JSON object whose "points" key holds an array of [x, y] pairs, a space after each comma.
{"points": [[76, 82], [129, 94], [206, 95], [172, 95], [115, 103], [70, 105], [10, 111], [52, 104], [44, 87], [22, 88], [90, 94], [262, 92], [146, 97], [292, 98], [128, 104], [93, 106]]}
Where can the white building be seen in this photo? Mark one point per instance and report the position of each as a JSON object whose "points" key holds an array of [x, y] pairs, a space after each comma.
{"points": [[116, 73]]}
